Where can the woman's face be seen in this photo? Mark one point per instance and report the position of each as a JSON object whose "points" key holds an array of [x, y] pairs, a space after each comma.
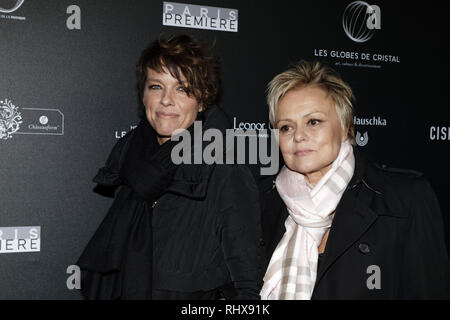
{"points": [[167, 105], [310, 131]]}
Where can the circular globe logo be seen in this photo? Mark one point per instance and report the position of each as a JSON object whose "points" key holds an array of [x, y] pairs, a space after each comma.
{"points": [[354, 21], [43, 120], [14, 8]]}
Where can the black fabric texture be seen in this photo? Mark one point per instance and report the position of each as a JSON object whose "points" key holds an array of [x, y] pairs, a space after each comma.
{"points": [[387, 218], [174, 231]]}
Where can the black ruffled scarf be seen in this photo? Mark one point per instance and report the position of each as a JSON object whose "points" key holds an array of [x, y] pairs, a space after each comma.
{"points": [[146, 158], [117, 262]]}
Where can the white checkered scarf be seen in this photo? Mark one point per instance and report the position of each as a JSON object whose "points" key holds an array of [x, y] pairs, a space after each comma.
{"points": [[292, 270]]}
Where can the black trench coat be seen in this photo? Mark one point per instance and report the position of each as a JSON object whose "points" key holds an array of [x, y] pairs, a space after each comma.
{"points": [[386, 240]]}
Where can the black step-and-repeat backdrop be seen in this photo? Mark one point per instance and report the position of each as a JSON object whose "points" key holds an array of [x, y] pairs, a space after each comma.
{"points": [[67, 93]]}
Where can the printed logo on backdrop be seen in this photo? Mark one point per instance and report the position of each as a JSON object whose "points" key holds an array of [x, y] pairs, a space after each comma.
{"points": [[10, 119], [20, 239], [250, 129], [200, 17], [362, 138], [29, 120], [360, 20], [122, 133], [439, 133], [10, 6]]}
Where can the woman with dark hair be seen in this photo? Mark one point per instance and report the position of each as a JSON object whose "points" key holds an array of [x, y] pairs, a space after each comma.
{"points": [[175, 231]]}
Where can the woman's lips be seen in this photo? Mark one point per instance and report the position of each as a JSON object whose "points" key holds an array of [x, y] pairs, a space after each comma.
{"points": [[166, 115], [303, 152]]}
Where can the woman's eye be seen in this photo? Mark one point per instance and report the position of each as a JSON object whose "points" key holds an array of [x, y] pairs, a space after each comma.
{"points": [[285, 128], [314, 122], [154, 87], [182, 89]]}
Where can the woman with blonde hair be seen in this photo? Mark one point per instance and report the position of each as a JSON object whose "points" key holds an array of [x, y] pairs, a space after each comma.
{"points": [[338, 226]]}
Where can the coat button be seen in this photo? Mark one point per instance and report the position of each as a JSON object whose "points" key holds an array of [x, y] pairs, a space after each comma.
{"points": [[262, 243], [364, 248]]}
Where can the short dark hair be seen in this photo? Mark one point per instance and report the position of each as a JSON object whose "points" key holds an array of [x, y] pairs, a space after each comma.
{"points": [[187, 56]]}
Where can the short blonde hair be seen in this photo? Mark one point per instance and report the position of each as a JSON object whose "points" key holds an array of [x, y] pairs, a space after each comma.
{"points": [[314, 74]]}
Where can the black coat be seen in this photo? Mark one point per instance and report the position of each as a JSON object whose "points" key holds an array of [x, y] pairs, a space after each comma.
{"points": [[387, 218], [200, 240], [207, 234]]}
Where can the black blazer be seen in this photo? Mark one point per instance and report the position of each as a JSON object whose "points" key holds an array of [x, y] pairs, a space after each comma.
{"points": [[386, 240]]}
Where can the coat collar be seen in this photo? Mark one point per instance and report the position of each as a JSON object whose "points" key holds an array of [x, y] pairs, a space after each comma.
{"points": [[353, 215], [361, 175]]}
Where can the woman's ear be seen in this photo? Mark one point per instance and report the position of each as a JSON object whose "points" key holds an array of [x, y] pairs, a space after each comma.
{"points": [[345, 134]]}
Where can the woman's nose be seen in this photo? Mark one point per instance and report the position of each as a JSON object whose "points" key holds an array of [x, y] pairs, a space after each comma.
{"points": [[300, 134], [166, 99]]}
